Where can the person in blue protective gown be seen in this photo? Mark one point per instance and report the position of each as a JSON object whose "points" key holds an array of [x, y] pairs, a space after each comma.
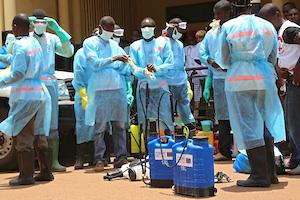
{"points": [[154, 55], [106, 92], [29, 114], [58, 43], [84, 133], [210, 56], [249, 49], [288, 78], [177, 76]]}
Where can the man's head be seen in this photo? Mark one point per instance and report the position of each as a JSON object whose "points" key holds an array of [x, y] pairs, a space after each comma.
{"points": [[106, 27], [271, 13], [241, 7], [20, 25], [200, 35], [222, 11], [286, 7], [40, 24], [293, 15], [175, 28], [135, 35], [118, 33], [148, 28]]}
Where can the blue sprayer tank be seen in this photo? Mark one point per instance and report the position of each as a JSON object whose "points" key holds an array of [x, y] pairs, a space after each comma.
{"points": [[160, 175], [194, 173]]}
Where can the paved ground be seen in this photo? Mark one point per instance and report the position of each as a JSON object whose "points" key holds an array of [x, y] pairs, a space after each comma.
{"points": [[86, 185]]}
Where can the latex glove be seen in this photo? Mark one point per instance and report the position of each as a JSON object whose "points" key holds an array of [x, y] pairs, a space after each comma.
{"points": [[31, 19], [62, 34], [84, 97], [190, 90], [130, 97], [206, 92]]}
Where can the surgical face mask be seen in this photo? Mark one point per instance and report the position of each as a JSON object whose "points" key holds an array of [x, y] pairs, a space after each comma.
{"points": [[148, 32], [176, 35], [117, 39], [106, 35], [40, 26]]}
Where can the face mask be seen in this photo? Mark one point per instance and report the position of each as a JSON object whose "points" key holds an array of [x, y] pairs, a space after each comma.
{"points": [[176, 35], [40, 28], [106, 35], [117, 39], [148, 32]]}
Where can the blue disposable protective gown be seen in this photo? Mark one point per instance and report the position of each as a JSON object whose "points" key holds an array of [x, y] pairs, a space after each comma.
{"points": [[82, 73], [177, 81], [159, 53], [51, 45], [29, 97], [250, 51], [209, 48], [106, 90]]}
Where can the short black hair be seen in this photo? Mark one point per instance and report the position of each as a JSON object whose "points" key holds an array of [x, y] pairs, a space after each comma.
{"points": [[241, 3], [287, 6], [268, 10], [107, 20], [175, 20], [223, 5], [39, 13], [21, 20]]}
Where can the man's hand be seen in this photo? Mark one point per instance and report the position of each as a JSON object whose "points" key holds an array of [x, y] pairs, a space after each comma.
{"points": [[149, 74], [151, 68], [122, 58], [52, 24], [213, 63], [31, 19], [283, 73]]}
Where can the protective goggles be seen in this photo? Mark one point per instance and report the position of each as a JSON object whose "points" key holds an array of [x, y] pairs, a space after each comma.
{"points": [[181, 25], [40, 21], [119, 32]]}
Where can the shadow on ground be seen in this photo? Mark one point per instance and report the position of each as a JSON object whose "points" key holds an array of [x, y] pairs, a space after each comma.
{"points": [[237, 189]]}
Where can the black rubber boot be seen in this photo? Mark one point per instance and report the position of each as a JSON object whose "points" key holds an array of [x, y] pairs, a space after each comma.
{"points": [[271, 158], [26, 168], [80, 150], [259, 176], [280, 169], [91, 152], [44, 158]]}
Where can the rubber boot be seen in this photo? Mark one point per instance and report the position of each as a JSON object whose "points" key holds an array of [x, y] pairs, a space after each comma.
{"points": [[91, 151], [271, 159], [26, 168], [80, 150], [259, 176], [54, 146], [44, 158]]}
